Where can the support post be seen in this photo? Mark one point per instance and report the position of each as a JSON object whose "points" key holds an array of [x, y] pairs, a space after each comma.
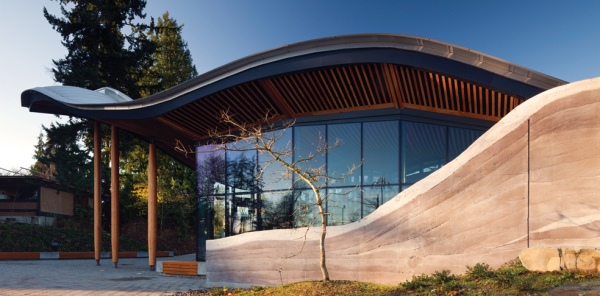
{"points": [[201, 225], [114, 194], [152, 206], [97, 192]]}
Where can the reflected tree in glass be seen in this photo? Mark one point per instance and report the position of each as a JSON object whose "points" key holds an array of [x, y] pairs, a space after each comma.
{"points": [[309, 169], [241, 180]]}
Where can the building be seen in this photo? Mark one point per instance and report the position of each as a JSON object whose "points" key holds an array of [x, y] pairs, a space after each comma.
{"points": [[404, 107], [33, 200]]}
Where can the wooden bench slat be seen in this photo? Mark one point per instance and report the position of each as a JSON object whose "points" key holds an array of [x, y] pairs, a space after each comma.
{"points": [[180, 267]]}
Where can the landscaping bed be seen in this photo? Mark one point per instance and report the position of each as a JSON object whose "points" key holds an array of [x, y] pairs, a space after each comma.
{"points": [[510, 279]]}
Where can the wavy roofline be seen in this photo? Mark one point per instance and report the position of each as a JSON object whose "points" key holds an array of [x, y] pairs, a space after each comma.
{"points": [[322, 45]]}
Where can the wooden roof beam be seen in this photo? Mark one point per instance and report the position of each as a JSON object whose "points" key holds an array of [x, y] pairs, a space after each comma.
{"points": [[277, 98], [452, 112], [181, 129]]}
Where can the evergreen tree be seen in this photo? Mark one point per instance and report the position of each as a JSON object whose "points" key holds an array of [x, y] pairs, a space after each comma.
{"points": [[39, 168], [99, 53], [144, 61], [65, 153], [170, 64], [171, 61]]}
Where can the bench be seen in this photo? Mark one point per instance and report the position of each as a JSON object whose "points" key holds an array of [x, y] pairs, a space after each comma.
{"points": [[180, 267]]}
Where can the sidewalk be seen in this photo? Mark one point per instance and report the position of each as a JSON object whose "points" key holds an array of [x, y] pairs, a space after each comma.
{"points": [[83, 277], [581, 289]]}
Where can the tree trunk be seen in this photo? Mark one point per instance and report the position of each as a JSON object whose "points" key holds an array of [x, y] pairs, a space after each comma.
{"points": [[322, 248], [322, 261]]}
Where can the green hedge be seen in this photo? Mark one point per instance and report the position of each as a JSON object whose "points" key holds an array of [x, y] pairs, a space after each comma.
{"points": [[34, 238]]}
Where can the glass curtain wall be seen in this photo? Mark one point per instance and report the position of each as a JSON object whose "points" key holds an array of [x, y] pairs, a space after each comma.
{"points": [[381, 146], [211, 174], [245, 190]]}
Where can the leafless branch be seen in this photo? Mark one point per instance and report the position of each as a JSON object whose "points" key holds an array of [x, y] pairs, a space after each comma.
{"points": [[265, 138]]}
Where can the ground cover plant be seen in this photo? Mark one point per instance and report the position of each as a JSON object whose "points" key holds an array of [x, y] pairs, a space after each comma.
{"points": [[510, 279]]}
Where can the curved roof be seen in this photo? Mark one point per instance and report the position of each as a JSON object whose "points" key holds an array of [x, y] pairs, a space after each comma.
{"points": [[323, 76]]}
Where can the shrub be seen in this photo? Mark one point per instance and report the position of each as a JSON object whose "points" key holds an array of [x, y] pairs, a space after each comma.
{"points": [[438, 282], [480, 271]]}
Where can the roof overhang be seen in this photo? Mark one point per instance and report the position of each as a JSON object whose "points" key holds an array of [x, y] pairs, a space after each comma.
{"points": [[317, 77]]}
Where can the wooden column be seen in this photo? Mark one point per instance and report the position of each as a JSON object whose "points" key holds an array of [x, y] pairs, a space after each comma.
{"points": [[97, 192], [152, 206], [114, 195]]}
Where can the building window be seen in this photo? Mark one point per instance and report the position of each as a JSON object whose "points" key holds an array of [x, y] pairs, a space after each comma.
{"points": [[345, 155], [423, 150], [392, 155], [380, 152]]}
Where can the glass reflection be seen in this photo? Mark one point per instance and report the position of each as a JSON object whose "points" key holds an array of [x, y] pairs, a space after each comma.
{"points": [[343, 205], [459, 139], [247, 190], [341, 158], [423, 149], [272, 174], [278, 210], [241, 181], [211, 170], [375, 196], [305, 210], [309, 142], [210, 173], [380, 152]]}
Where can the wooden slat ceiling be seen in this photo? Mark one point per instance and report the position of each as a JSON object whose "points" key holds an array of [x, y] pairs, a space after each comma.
{"points": [[323, 91], [341, 89]]}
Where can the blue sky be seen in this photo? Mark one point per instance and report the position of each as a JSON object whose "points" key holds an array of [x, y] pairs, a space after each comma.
{"points": [[558, 38]]}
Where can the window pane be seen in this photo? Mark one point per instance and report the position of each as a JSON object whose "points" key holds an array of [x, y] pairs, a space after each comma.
{"points": [[308, 140], [459, 139], [216, 217], [341, 158], [241, 168], [240, 211], [375, 196], [380, 152], [277, 211], [423, 149], [210, 173], [305, 209], [274, 175], [343, 206], [210, 170]]}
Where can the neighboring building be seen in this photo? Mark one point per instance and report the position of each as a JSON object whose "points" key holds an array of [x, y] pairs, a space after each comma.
{"points": [[404, 107], [33, 200]]}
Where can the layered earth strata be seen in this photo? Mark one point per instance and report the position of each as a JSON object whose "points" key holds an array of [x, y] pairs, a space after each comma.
{"points": [[531, 181]]}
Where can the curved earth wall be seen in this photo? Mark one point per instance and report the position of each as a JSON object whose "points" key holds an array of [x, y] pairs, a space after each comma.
{"points": [[532, 180]]}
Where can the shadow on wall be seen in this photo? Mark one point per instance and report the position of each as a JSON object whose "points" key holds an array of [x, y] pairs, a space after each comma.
{"points": [[530, 181]]}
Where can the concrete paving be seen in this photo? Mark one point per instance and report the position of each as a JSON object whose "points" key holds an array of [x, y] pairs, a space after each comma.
{"points": [[581, 289], [84, 277]]}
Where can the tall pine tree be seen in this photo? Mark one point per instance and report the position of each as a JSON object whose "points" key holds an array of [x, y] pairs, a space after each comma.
{"points": [[171, 62], [99, 53], [149, 59]]}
